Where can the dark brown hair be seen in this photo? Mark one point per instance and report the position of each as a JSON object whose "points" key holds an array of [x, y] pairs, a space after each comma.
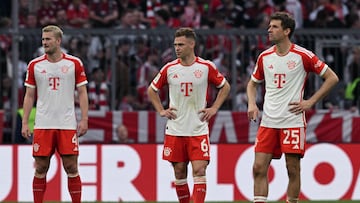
{"points": [[287, 21]]}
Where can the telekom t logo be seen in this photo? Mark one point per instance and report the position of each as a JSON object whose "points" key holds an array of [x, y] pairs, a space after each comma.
{"points": [[279, 79], [186, 87], [54, 82]]}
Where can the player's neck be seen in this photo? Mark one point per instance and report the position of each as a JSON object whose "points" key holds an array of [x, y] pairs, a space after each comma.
{"points": [[187, 61], [283, 48], [54, 57]]}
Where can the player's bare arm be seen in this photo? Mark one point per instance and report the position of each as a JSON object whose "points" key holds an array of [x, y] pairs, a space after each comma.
{"points": [[253, 110], [27, 106], [84, 106], [330, 80], [155, 100], [223, 93]]}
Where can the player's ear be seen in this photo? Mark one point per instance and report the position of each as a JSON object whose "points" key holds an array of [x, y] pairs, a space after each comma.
{"points": [[192, 43], [287, 31]]}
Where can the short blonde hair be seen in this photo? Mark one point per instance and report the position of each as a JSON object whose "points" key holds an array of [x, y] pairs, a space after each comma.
{"points": [[55, 29]]}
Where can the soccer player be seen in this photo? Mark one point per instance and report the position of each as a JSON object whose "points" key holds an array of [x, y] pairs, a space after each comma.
{"points": [[284, 68], [187, 133], [53, 77]]}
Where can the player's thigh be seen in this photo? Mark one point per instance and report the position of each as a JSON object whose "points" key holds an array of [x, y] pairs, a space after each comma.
{"points": [[68, 142], [268, 141], [293, 140], [174, 149], [44, 142], [198, 148]]}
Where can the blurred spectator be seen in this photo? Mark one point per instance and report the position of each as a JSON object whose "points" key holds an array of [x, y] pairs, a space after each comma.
{"points": [[126, 19], [223, 64], [296, 9], [141, 49], [216, 44], [174, 14], [352, 22], [22, 68], [96, 52], [191, 16], [139, 21], [6, 92], [354, 7], [315, 7], [5, 40], [122, 135], [235, 15], [241, 97], [352, 79], [61, 4], [162, 18], [98, 91], [145, 74], [46, 13], [341, 10], [326, 18], [31, 21], [123, 73], [129, 21], [24, 11], [78, 46], [255, 10], [103, 13], [29, 43], [78, 14], [61, 19], [152, 6], [260, 42], [279, 5], [127, 103], [128, 4]]}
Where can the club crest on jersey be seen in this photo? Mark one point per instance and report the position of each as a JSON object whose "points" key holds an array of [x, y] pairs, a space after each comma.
{"points": [[198, 73], [291, 64], [167, 151], [65, 69], [36, 147]]}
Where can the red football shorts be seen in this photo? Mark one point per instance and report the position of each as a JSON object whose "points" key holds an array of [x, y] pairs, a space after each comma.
{"points": [[186, 148], [277, 141], [46, 141]]}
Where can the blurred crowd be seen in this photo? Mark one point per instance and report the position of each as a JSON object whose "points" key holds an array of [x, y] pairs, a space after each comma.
{"points": [[137, 61], [145, 14]]}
